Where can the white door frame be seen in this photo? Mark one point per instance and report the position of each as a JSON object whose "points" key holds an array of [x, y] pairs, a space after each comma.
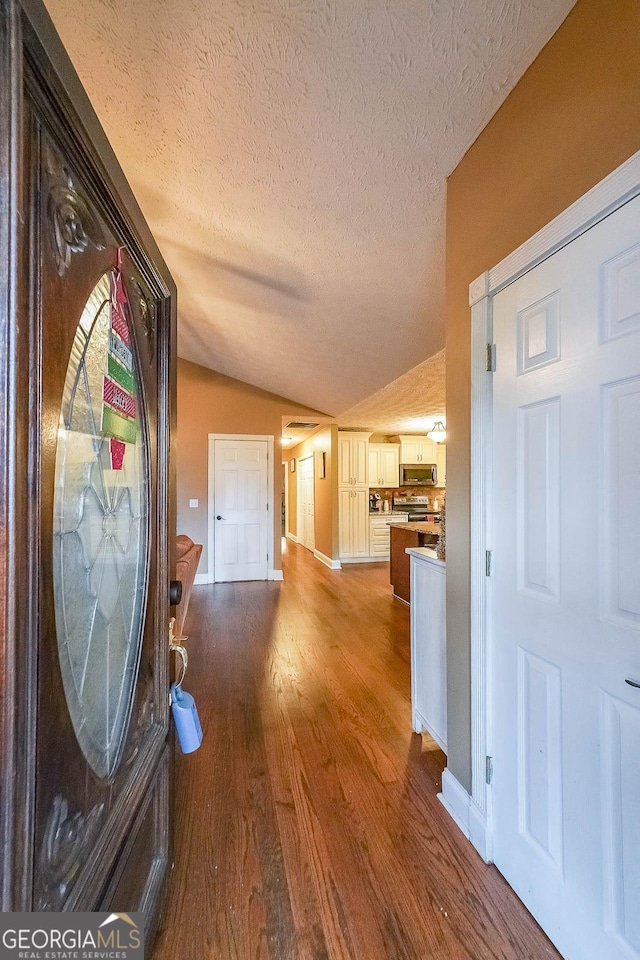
{"points": [[307, 456], [285, 474], [473, 813], [272, 574]]}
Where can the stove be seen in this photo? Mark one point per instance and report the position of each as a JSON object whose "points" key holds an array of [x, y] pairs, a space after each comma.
{"points": [[417, 507]]}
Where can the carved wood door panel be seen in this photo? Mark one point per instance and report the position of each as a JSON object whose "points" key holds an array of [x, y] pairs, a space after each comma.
{"points": [[87, 500]]}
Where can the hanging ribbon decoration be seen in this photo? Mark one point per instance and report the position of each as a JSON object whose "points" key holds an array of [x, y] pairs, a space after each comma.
{"points": [[119, 401]]}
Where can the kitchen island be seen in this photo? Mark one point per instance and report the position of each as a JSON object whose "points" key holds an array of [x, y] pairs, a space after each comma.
{"points": [[420, 533]]}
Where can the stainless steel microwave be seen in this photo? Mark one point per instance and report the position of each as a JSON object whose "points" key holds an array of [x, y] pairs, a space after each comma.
{"points": [[418, 475]]}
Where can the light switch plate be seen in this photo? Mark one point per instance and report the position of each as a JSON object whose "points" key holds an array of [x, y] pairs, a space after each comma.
{"points": [[193, 503]]}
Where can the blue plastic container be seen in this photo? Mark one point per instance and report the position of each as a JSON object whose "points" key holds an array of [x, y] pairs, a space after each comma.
{"points": [[185, 714]]}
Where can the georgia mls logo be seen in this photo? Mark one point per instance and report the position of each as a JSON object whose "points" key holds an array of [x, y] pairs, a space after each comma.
{"points": [[71, 936]]}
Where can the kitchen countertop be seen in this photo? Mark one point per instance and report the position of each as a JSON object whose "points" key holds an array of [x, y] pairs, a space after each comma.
{"points": [[419, 526], [381, 513], [425, 553]]}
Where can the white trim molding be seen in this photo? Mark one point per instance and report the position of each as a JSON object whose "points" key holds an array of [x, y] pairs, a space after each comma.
{"points": [[328, 562], [479, 288], [202, 578], [607, 196], [481, 485], [270, 440], [474, 814], [465, 814], [292, 537]]}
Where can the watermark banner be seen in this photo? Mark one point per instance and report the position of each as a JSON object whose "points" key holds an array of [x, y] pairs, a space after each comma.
{"points": [[71, 936]]}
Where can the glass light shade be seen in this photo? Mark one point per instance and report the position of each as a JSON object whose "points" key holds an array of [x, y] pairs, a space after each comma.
{"points": [[438, 432]]}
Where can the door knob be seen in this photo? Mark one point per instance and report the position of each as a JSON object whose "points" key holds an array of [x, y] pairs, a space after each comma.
{"points": [[219, 517], [175, 593]]}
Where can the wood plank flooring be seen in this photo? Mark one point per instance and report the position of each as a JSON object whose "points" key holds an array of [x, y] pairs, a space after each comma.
{"points": [[307, 825]]}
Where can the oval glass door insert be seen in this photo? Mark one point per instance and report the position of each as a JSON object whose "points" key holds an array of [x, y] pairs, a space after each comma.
{"points": [[100, 527]]}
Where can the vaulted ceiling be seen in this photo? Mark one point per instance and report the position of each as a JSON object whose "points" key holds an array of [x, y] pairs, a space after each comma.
{"points": [[410, 404], [290, 157]]}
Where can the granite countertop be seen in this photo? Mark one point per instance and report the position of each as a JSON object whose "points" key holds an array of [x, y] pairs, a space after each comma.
{"points": [[391, 513], [419, 526]]}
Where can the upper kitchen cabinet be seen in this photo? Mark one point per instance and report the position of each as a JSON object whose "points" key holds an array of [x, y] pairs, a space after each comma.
{"points": [[417, 450], [384, 464], [353, 459], [441, 463]]}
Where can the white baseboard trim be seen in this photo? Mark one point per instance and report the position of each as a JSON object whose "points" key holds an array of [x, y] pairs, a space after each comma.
{"points": [[419, 724], [479, 832], [455, 799], [202, 578], [364, 559], [275, 574], [292, 537], [465, 814], [328, 562]]}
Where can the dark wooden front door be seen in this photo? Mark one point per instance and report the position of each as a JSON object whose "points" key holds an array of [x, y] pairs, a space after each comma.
{"points": [[88, 310]]}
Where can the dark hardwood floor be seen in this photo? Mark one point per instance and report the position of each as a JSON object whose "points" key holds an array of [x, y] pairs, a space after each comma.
{"points": [[307, 825]]}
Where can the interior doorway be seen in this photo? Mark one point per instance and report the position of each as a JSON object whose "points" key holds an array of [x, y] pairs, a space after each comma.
{"points": [[556, 430], [240, 507], [285, 499], [306, 502]]}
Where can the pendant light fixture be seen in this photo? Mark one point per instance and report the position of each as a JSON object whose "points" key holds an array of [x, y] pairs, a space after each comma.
{"points": [[438, 432]]}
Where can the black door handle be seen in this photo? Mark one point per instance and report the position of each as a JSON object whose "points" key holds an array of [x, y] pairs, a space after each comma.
{"points": [[175, 593], [219, 517], [633, 683]]}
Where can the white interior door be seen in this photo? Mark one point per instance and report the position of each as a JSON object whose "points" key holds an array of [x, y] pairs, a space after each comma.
{"points": [[306, 503], [241, 509], [566, 590]]}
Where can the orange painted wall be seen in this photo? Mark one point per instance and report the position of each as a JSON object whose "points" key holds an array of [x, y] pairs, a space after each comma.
{"points": [[209, 402], [572, 119], [325, 489]]}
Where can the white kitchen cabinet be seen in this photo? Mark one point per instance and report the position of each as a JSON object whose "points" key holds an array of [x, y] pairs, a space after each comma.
{"points": [[353, 459], [345, 532], [384, 464], [380, 534], [375, 465], [345, 475], [417, 450], [353, 495], [428, 645], [353, 525], [441, 463]]}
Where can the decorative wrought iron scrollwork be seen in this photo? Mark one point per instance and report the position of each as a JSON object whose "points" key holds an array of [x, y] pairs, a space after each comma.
{"points": [[66, 839], [73, 224]]}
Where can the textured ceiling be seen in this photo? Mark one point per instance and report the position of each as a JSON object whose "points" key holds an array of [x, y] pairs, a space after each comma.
{"points": [[290, 157], [409, 404]]}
